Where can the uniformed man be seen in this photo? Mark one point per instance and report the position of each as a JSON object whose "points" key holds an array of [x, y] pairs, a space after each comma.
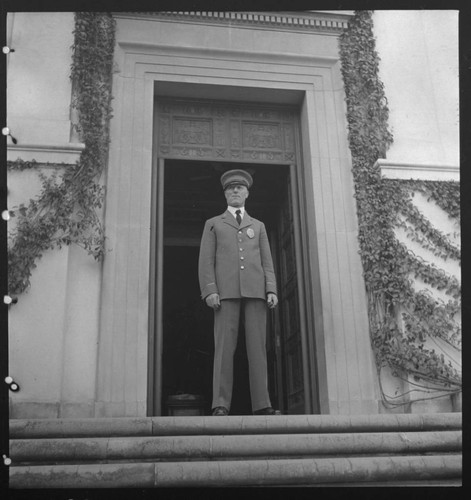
{"points": [[236, 273]]}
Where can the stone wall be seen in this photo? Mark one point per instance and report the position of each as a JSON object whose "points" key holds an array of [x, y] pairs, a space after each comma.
{"points": [[419, 70], [53, 329]]}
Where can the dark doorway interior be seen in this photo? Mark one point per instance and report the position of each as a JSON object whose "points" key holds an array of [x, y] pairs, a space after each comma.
{"points": [[192, 194]]}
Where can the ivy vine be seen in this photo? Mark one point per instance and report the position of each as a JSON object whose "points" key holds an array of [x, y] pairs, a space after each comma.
{"points": [[66, 210], [401, 318]]}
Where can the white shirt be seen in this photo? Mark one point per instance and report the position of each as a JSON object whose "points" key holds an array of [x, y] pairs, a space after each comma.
{"points": [[233, 211]]}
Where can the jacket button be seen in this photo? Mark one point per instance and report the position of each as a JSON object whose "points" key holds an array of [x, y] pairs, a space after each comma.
{"points": [[241, 249], [240, 232], [242, 267], [241, 258]]}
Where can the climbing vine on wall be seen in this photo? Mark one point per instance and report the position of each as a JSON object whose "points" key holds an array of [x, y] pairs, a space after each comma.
{"points": [[401, 318], [66, 210]]}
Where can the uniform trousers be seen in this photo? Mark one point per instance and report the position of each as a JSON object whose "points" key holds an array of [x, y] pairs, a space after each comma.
{"points": [[226, 328]]}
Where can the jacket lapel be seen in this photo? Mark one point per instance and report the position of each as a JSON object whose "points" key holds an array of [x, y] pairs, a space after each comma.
{"points": [[228, 218], [246, 221]]}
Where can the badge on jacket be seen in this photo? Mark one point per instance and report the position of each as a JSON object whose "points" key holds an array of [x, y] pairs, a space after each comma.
{"points": [[250, 232]]}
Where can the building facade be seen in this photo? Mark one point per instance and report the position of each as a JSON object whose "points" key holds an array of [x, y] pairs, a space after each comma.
{"points": [[195, 94]]}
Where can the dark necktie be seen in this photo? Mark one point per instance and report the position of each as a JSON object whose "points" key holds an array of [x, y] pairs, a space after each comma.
{"points": [[238, 217]]}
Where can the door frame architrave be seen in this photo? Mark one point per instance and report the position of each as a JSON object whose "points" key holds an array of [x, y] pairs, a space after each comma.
{"points": [[327, 210], [154, 383]]}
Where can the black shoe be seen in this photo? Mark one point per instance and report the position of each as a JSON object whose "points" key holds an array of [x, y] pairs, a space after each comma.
{"points": [[267, 411], [220, 411]]}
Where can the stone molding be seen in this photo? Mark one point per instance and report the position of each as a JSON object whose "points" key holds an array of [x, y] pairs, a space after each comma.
{"points": [[46, 153], [171, 50], [418, 171], [316, 21]]}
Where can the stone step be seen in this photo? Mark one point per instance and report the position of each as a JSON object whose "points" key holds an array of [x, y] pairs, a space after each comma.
{"points": [[232, 425], [224, 447], [292, 472], [286, 450]]}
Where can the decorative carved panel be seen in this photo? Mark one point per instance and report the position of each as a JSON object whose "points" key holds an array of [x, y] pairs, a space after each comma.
{"points": [[257, 135], [192, 131], [215, 131]]}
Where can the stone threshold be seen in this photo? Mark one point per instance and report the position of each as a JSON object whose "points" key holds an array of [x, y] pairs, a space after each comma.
{"points": [[231, 425]]}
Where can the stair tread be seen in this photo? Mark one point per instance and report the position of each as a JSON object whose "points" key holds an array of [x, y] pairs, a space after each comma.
{"points": [[203, 447], [282, 424], [247, 472]]}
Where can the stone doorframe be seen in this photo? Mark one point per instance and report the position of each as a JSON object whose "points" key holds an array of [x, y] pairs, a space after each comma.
{"points": [[223, 132], [344, 360]]}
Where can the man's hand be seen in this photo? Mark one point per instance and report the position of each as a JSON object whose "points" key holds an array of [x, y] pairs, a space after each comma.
{"points": [[213, 301], [272, 300]]}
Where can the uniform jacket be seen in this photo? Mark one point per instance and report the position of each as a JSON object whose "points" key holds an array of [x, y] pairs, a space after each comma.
{"points": [[235, 261]]}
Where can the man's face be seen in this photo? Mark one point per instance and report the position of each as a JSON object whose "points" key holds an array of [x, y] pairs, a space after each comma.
{"points": [[236, 194]]}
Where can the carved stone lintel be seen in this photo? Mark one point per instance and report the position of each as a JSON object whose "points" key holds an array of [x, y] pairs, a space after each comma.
{"points": [[205, 130]]}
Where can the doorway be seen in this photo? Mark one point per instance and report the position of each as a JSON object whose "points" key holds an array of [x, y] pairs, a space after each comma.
{"points": [[192, 194]]}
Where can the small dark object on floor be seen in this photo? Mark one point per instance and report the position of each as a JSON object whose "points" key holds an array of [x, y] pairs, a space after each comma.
{"points": [[220, 411], [267, 411]]}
